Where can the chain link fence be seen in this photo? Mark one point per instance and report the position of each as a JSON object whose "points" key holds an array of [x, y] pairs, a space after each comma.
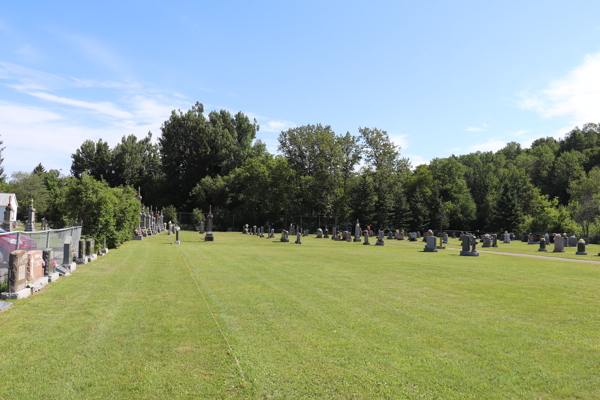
{"points": [[38, 240]]}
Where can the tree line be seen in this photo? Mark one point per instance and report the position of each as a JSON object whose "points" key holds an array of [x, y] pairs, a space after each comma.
{"points": [[215, 159]]}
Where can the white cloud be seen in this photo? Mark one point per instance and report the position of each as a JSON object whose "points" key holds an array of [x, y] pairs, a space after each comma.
{"points": [[521, 133], [104, 107], [490, 145], [276, 126], [576, 96], [400, 140], [416, 160]]}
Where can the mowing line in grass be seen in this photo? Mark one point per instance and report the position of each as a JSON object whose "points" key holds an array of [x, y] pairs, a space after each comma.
{"points": [[212, 314]]}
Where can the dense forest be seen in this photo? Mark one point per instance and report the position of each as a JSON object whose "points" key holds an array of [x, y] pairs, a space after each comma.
{"points": [[318, 174]]}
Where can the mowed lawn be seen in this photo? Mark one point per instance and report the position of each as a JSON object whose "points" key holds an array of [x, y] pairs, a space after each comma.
{"points": [[244, 317]]}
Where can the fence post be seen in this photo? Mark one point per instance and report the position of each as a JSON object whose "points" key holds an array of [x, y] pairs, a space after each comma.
{"points": [[18, 239], [47, 240]]}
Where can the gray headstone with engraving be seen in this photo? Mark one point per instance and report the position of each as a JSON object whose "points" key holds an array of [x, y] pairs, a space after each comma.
{"points": [[430, 247]]}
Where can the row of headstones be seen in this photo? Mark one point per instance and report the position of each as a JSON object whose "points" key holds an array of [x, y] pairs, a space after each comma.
{"points": [[30, 271], [150, 223]]}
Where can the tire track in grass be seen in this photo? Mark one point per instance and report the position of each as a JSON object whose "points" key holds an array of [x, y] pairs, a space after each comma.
{"points": [[213, 315]]}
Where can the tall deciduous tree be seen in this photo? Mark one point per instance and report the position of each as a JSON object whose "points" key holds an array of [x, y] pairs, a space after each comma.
{"points": [[94, 159], [193, 146]]}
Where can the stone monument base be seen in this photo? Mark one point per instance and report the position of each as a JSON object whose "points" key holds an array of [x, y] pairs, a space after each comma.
{"points": [[426, 250], [21, 294], [39, 284], [440, 247], [5, 306], [138, 237], [209, 237], [357, 239], [558, 251], [83, 260], [53, 277], [380, 243], [533, 242], [469, 253], [545, 250], [581, 253]]}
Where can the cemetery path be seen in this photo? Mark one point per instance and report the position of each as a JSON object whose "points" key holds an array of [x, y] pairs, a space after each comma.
{"points": [[518, 254]]}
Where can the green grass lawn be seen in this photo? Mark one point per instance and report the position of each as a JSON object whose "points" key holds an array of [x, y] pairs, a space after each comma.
{"points": [[319, 320]]}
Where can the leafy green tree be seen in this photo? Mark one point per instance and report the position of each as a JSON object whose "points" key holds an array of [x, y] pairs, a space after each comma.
{"points": [[197, 217], [26, 187], [568, 166], [170, 214], [104, 211], [383, 162], [94, 159], [454, 194], [193, 147]]}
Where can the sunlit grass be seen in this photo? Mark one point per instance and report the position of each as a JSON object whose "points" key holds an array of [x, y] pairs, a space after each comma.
{"points": [[319, 320]]}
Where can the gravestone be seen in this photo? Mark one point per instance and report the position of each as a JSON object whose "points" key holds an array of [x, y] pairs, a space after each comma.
{"points": [[334, 234], [326, 234], [284, 236], [90, 249], [412, 237], [319, 233], [202, 227], [357, 232], [401, 235], [506, 237], [494, 240], [559, 244], [547, 238], [169, 230], [397, 234], [453, 234], [17, 270], [366, 238], [35, 265], [390, 237], [370, 232], [461, 236], [573, 241], [445, 241], [441, 246], [543, 245], [430, 247], [17, 276], [531, 239], [418, 234], [349, 236], [30, 225], [345, 237], [380, 241], [177, 241], [68, 265], [105, 248], [581, 248], [50, 265], [298, 238], [262, 231], [487, 241], [469, 244], [209, 229], [7, 224], [272, 234], [81, 258]]}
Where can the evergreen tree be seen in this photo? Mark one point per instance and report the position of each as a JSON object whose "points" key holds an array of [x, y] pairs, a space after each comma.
{"points": [[508, 210], [39, 169]]}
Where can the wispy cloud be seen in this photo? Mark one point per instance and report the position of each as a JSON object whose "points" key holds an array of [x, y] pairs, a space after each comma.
{"points": [[575, 96], [473, 129], [400, 140], [417, 160], [105, 108], [276, 126]]}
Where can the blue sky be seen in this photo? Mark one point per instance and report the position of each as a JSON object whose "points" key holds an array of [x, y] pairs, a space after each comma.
{"points": [[441, 78]]}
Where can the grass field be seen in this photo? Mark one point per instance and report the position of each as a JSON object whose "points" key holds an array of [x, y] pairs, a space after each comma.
{"points": [[244, 317]]}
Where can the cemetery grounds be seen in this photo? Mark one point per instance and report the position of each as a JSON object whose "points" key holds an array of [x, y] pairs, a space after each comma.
{"points": [[250, 318]]}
